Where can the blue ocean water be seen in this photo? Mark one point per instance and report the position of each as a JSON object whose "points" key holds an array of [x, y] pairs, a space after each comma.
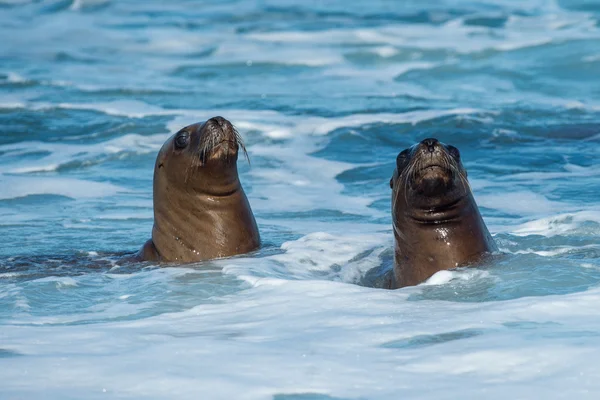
{"points": [[325, 95]]}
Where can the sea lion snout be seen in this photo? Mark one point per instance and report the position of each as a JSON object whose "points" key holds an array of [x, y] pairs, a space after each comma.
{"points": [[219, 124], [434, 168], [219, 139], [430, 147], [218, 129], [219, 121], [430, 144]]}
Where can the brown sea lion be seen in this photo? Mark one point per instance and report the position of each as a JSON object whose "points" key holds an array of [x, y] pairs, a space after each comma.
{"points": [[200, 209], [437, 224]]}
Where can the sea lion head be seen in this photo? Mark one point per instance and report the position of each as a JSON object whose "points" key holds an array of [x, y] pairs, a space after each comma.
{"points": [[200, 158], [429, 175]]}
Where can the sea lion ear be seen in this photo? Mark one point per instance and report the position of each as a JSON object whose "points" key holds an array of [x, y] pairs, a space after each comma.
{"points": [[402, 160], [454, 152], [394, 177]]}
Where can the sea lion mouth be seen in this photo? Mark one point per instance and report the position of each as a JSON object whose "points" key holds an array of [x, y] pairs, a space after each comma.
{"points": [[434, 167], [432, 171], [439, 168], [428, 177]]}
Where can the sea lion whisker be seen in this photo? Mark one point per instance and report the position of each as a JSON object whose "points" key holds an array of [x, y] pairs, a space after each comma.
{"points": [[407, 177], [209, 142], [465, 181], [240, 142]]}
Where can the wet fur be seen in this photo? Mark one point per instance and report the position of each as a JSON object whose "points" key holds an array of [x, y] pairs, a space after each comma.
{"points": [[418, 254], [200, 209]]}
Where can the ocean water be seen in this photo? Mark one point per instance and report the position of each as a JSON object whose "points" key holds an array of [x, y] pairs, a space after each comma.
{"points": [[325, 95]]}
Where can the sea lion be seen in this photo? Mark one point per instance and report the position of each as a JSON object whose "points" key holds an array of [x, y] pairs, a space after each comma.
{"points": [[200, 209], [437, 224]]}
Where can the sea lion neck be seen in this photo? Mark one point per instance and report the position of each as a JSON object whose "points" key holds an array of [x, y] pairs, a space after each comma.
{"points": [[213, 180], [416, 207], [434, 242], [184, 219], [440, 213], [200, 210]]}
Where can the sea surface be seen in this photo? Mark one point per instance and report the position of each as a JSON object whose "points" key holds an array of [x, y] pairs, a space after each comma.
{"points": [[325, 95]]}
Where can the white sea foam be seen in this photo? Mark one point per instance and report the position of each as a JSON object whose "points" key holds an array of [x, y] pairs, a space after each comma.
{"points": [[60, 282], [462, 274], [273, 124], [316, 255], [13, 77], [379, 73], [570, 171], [127, 108], [449, 347], [554, 252], [385, 51], [453, 35], [7, 275], [21, 186], [520, 203], [591, 58], [561, 224], [252, 53], [83, 4], [59, 155], [310, 179]]}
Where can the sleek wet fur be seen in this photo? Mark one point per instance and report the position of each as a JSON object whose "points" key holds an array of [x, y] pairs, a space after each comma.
{"points": [[437, 224], [200, 209]]}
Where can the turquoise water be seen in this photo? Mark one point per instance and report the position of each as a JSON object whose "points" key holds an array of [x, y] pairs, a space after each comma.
{"points": [[325, 95]]}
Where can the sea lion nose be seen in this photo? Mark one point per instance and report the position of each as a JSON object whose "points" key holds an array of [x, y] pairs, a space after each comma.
{"points": [[430, 143], [218, 120]]}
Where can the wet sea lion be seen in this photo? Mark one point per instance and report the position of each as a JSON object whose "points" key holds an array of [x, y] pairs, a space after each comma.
{"points": [[200, 209], [437, 224]]}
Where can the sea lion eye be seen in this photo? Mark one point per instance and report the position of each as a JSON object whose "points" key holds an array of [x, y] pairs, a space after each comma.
{"points": [[454, 152], [182, 140], [402, 160]]}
